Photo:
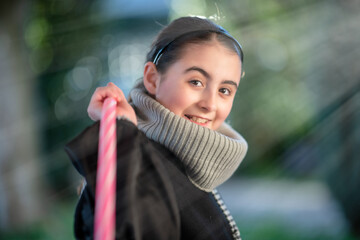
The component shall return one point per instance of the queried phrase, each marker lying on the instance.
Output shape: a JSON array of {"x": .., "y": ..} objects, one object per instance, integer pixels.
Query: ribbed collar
[{"x": 209, "y": 157}]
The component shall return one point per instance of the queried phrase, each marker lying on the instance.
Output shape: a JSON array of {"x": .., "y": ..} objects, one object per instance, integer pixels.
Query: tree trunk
[{"x": 21, "y": 194}]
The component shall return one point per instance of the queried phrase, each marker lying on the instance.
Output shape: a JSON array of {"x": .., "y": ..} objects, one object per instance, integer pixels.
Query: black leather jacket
[{"x": 154, "y": 198}]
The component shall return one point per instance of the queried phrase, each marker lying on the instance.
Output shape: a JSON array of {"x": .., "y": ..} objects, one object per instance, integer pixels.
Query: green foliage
[{"x": 58, "y": 225}]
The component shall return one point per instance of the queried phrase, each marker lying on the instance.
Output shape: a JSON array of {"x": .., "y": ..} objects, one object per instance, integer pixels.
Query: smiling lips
[{"x": 198, "y": 120}]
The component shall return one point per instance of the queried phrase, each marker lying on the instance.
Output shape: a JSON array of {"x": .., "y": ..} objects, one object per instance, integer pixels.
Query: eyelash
[
  {"x": 194, "y": 82},
  {"x": 221, "y": 90},
  {"x": 226, "y": 89}
]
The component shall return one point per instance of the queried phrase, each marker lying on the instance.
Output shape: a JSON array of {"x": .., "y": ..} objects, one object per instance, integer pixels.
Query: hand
[{"x": 123, "y": 108}]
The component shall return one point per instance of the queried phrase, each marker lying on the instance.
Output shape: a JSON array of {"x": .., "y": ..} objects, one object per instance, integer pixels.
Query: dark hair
[{"x": 168, "y": 45}]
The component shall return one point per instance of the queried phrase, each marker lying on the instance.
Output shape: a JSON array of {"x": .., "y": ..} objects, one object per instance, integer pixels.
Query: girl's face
[{"x": 201, "y": 85}]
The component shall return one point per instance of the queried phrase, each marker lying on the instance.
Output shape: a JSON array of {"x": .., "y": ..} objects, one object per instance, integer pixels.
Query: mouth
[{"x": 197, "y": 120}]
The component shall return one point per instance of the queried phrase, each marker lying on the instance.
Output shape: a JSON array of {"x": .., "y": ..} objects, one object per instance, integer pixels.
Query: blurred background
[{"x": 298, "y": 106}]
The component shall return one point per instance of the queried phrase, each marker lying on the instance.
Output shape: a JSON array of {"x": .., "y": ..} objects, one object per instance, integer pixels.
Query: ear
[{"x": 151, "y": 78}]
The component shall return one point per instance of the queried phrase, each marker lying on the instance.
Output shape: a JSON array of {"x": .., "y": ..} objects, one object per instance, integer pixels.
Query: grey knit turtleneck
[{"x": 210, "y": 157}]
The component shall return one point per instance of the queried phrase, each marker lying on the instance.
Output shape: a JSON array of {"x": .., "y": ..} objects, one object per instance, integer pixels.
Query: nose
[{"x": 208, "y": 101}]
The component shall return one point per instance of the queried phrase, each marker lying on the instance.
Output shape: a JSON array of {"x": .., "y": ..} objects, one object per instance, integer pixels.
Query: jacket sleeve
[{"x": 146, "y": 206}]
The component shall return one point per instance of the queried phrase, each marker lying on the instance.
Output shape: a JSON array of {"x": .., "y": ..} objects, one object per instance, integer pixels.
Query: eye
[
  {"x": 225, "y": 91},
  {"x": 196, "y": 83}
]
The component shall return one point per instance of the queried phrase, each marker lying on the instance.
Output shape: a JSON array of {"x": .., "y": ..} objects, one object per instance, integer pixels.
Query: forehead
[
  {"x": 231, "y": 49},
  {"x": 213, "y": 57}
]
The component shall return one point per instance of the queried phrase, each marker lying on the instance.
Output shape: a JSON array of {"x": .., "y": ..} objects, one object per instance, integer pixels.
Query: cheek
[
  {"x": 173, "y": 102},
  {"x": 225, "y": 111},
  {"x": 222, "y": 114},
  {"x": 171, "y": 98}
]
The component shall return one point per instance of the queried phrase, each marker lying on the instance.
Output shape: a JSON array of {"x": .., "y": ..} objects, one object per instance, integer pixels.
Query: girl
[{"x": 174, "y": 147}]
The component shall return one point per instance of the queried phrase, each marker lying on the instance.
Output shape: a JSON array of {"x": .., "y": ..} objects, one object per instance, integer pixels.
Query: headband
[{"x": 221, "y": 31}]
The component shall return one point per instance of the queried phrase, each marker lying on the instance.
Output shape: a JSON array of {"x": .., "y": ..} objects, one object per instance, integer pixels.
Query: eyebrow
[
  {"x": 207, "y": 75},
  {"x": 202, "y": 71}
]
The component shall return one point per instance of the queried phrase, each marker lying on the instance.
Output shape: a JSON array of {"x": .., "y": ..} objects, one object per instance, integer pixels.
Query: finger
[
  {"x": 116, "y": 92},
  {"x": 110, "y": 90},
  {"x": 99, "y": 96}
]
